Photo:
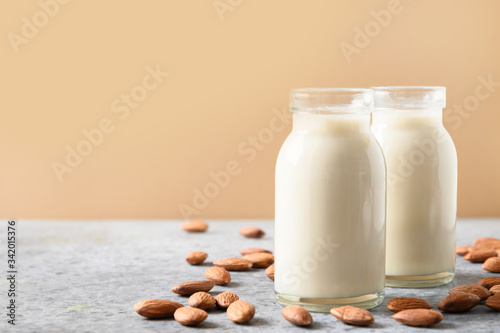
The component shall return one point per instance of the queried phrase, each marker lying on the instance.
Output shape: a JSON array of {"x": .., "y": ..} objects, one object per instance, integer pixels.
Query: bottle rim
[
  {"x": 331, "y": 100},
  {"x": 409, "y": 97}
]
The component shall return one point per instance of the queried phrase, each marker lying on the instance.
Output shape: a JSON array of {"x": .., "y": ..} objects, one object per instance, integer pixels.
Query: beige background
[{"x": 228, "y": 71}]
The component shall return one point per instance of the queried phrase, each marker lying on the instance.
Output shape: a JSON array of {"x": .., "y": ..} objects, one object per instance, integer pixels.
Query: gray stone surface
[{"x": 87, "y": 276}]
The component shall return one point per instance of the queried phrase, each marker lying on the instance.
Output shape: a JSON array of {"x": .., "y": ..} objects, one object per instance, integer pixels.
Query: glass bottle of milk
[
  {"x": 330, "y": 203},
  {"x": 421, "y": 185}
]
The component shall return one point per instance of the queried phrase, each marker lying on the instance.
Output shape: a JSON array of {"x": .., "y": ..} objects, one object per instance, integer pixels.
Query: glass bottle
[
  {"x": 330, "y": 203},
  {"x": 421, "y": 185}
]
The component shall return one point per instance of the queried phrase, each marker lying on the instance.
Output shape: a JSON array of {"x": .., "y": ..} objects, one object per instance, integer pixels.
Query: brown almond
[
  {"x": 260, "y": 260},
  {"x": 194, "y": 226},
  {"x": 234, "y": 264},
  {"x": 196, "y": 258},
  {"x": 190, "y": 316},
  {"x": 489, "y": 281},
  {"x": 252, "y": 232},
  {"x": 251, "y": 250},
  {"x": 225, "y": 299},
  {"x": 495, "y": 290},
  {"x": 220, "y": 276},
  {"x": 492, "y": 265},
  {"x": 270, "y": 272},
  {"x": 474, "y": 289},
  {"x": 458, "y": 302},
  {"x": 479, "y": 255},
  {"x": 201, "y": 300},
  {"x": 463, "y": 250},
  {"x": 352, "y": 315},
  {"x": 191, "y": 287},
  {"x": 487, "y": 243},
  {"x": 493, "y": 302},
  {"x": 157, "y": 308},
  {"x": 405, "y": 303},
  {"x": 297, "y": 315},
  {"x": 240, "y": 312},
  {"x": 419, "y": 317}
]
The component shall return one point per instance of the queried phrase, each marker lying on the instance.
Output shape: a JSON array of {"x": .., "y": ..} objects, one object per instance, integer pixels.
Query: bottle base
[
  {"x": 419, "y": 281},
  {"x": 325, "y": 304}
]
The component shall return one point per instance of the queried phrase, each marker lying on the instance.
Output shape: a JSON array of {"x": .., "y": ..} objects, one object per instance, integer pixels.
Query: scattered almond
[
  {"x": 489, "y": 281},
  {"x": 493, "y": 302},
  {"x": 492, "y": 265},
  {"x": 474, "y": 289},
  {"x": 251, "y": 250},
  {"x": 191, "y": 287},
  {"x": 157, "y": 308},
  {"x": 194, "y": 226},
  {"x": 220, "y": 276},
  {"x": 352, "y": 315},
  {"x": 225, "y": 299},
  {"x": 190, "y": 316},
  {"x": 270, "y": 272},
  {"x": 495, "y": 290},
  {"x": 240, "y": 312},
  {"x": 260, "y": 260},
  {"x": 419, "y": 317},
  {"x": 463, "y": 250},
  {"x": 297, "y": 315},
  {"x": 487, "y": 243},
  {"x": 201, "y": 300},
  {"x": 479, "y": 255},
  {"x": 405, "y": 303},
  {"x": 196, "y": 258},
  {"x": 458, "y": 302},
  {"x": 234, "y": 264},
  {"x": 252, "y": 232}
]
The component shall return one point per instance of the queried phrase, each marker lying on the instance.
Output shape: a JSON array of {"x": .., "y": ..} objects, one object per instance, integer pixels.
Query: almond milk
[
  {"x": 330, "y": 209},
  {"x": 421, "y": 189}
]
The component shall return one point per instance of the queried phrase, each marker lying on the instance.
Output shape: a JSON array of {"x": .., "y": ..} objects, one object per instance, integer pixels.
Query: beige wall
[{"x": 229, "y": 73}]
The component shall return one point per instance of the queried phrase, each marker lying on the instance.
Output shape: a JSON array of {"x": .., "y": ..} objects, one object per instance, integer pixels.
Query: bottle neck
[
  {"x": 336, "y": 124},
  {"x": 408, "y": 118}
]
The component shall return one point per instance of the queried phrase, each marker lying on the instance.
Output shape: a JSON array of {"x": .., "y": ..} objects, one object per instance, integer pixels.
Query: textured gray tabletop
[{"x": 87, "y": 276}]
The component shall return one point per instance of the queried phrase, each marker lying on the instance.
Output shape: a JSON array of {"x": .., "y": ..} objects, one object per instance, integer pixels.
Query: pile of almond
[
  {"x": 200, "y": 300},
  {"x": 408, "y": 310}
]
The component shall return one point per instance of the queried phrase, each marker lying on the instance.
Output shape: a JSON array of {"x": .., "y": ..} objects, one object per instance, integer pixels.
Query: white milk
[
  {"x": 330, "y": 213},
  {"x": 421, "y": 196}
]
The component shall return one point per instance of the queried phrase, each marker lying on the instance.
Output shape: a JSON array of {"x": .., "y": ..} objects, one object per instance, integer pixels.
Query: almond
[
  {"x": 196, "y": 258},
  {"x": 225, "y": 299},
  {"x": 252, "y": 232},
  {"x": 240, "y": 312},
  {"x": 492, "y": 265},
  {"x": 270, "y": 272},
  {"x": 352, "y": 315},
  {"x": 201, "y": 300},
  {"x": 495, "y": 290},
  {"x": 463, "y": 250},
  {"x": 474, "y": 289},
  {"x": 419, "y": 317},
  {"x": 487, "y": 243},
  {"x": 297, "y": 315},
  {"x": 260, "y": 260},
  {"x": 157, "y": 308},
  {"x": 220, "y": 276},
  {"x": 479, "y": 255},
  {"x": 190, "y": 316},
  {"x": 194, "y": 226},
  {"x": 458, "y": 302},
  {"x": 493, "y": 302},
  {"x": 489, "y": 282},
  {"x": 405, "y": 303},
  {"x": 191, "y": 287},
  {"x": 234, "y": 264},
  {"x": 251, "y": 250}
]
